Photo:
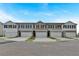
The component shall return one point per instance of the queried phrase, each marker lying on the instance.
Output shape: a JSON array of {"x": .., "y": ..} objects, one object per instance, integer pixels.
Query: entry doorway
[
  {"x": 34, "y": 34},
  {"x": 63, "y": 34},
  {"x": 19, "y": 33},
  {"x": 48, "y": 33}
]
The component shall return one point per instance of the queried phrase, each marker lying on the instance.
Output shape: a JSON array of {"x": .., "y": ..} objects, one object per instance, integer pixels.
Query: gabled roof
[
  {"x": 9, "y": 22},
  {"x": 39, "y": 22},
  {"x": 70, "y": 22}
]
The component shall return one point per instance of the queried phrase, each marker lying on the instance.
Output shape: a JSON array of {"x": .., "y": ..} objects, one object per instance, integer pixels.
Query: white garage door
[
  {"x": 70, "y": 34},
  {"x": 10, "y": 34},
  {"x": 26, "y": 34},
  {"x": 41, "y": 34},
  {"x": 55, "y": 34}
]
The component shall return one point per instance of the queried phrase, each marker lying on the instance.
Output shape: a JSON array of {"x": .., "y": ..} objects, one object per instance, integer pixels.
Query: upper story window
[
  {"x": 58, "y": 26},
  {"x": 42, "y": 26},
  {"x": 37, "y": 26},
  {"x": 49, "y": 26},
  {"x": 5, "y": 26},
  {"x": 19, "y": 26},
  {"x": 14, "y": 26},
  {"x": 74, "y": 26},
  {"x": 26, "y": 25},
  {"x": 45, "y": 26},
  {"x": 52, "y": 26},
  {"x": 69, "y": 26},
  {"x": 22, "y": 26},
  {"x": 65, "y": 26},
  {"x": 30, "y": 26},
  {"x": 33, "y": 26},
  {"x": 9, "y": 26}
]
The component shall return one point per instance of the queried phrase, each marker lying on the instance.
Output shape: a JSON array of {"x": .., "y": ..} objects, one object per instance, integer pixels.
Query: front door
[
  {"x": 63, "y": 34},
  {"x": 34, "y": 34},
  {"x": 48, "y": 33},
  {"x": 19, "y": 33}
]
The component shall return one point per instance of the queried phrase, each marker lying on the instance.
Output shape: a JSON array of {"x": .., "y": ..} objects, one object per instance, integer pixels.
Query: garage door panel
[
  {"x": 26, "y": 34},
  {"x": 56, "y": 34},
  {"x": 10, "y": 34},
  {"x": 70, "y": 34},
  {"x": 41, "y": 34}
]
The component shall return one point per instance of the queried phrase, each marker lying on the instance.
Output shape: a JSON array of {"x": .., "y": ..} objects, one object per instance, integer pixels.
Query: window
[
  {"x": 52, "y": 26},
  {"x": 33, "y": 26},
  {"x": 5, "y": 26},
  {"x": 10, "y": 26},
  {"x": 22, "y": 26},
  {"x": 58, "y": 26},
  {"x": 45, "y": 26},
  {"x": 26, "y": 26},
  {"x": 70, "y": 26},
  {"x": 49, "y": 26},
  {"x": 19, "y": 26},
  {"x": 14, "y": 26},
  {"x": 74, "y": 26},
  {"x": 42, "y": 26},
  {"x": 37, "y": 26},
  {"x": 30, "y": 26},
  {"x": 65, "y": 26}
]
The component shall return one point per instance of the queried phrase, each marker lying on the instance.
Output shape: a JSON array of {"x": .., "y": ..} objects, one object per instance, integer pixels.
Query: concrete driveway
[
  {"x": 69, "y": 48},
  {"x": 44, "y": 39}
]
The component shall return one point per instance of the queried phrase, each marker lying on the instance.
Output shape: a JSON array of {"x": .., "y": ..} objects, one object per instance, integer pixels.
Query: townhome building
[{"x": 38, "y": 29}]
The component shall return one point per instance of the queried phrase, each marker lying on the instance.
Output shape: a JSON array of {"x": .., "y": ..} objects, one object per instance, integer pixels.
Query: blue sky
[
  {"x": 33, "y": 12},
  {"x": 41, "y": 11}
]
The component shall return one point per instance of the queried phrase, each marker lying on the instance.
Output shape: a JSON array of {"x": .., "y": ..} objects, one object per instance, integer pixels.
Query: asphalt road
[{"x": 68, "y": 48}]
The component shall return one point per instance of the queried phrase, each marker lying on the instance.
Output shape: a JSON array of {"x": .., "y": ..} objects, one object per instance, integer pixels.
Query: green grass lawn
[
  {"x": 2, "y": 38},
  {"x": 30, "y": 39}
]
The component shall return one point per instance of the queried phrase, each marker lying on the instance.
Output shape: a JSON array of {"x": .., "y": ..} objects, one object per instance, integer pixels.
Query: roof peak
[{"x": 39, "y": 22}]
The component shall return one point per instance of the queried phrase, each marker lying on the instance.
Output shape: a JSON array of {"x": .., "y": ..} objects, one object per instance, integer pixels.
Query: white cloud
[{"x": 4, "y": 17}]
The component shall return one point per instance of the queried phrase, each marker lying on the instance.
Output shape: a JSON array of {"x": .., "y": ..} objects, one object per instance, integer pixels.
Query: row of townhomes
[{"x": 38, "y": 29}]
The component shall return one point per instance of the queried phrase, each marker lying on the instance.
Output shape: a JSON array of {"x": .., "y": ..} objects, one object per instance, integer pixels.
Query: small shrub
[
  {"x": 1, "y": 36},
  {"x": 30, "y": 39}
]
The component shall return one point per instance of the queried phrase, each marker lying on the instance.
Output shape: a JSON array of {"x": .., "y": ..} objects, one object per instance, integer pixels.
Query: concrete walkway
[
  {"x": 76, "y": 38},
  {"x": 62, "y": 39},
  {"x": 17, "y": 39},
  {"x": 44, "y": 40},
  {"x": 4, "y": 41}
]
